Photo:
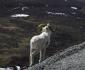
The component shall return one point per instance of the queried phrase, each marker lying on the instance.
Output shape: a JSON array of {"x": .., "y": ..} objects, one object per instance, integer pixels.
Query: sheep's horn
[{"x": 41, "y": 25}]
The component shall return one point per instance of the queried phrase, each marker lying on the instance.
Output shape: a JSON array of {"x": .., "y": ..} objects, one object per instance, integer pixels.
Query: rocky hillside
[
  {"x": 15, "y": 34},
  {"x": 72, "y": 58}
]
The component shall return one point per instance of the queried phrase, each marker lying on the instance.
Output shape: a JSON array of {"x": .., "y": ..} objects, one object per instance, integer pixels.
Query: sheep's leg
[
  {"x": 31, "y": 58},
  {"x": 40, "y": 59},
  {"x": 42, "y": 55},
  {"x": 33, "y": 52}
]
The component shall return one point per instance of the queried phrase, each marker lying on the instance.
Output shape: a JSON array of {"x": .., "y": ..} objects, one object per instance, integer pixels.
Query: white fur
[{"x": 39, "y": 43}]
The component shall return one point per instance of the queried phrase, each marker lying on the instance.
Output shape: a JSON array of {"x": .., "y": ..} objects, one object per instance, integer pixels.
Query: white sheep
[{"x": 39, "y": 43}]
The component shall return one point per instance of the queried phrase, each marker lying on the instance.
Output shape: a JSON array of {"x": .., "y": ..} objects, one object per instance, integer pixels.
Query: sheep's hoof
[{"x": 39, "y": 61}]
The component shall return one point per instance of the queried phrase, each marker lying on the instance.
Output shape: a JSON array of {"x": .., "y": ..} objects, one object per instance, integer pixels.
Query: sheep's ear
[{"x": 39, "y": 28}]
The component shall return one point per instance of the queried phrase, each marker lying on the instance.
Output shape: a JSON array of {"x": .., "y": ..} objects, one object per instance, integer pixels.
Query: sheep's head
[{"x": 46, "y": 27}]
